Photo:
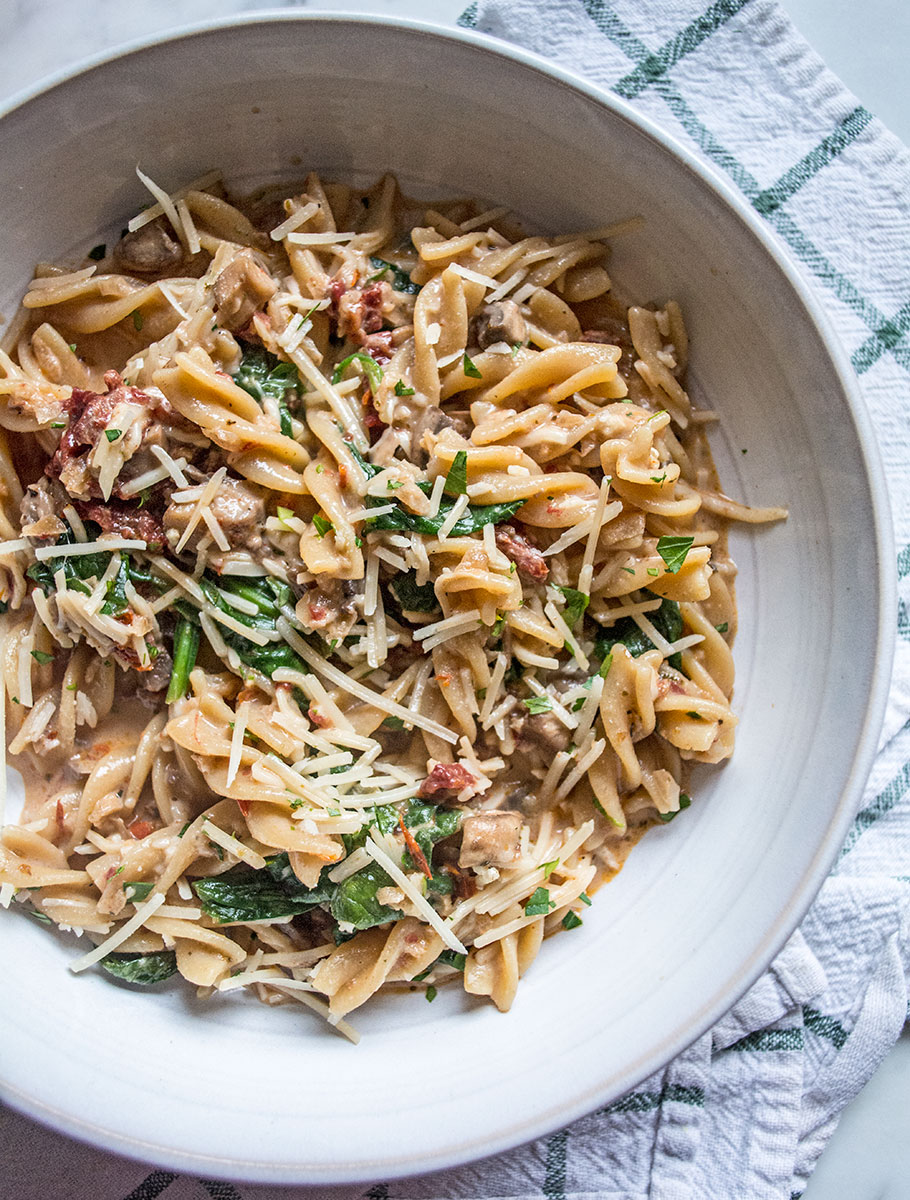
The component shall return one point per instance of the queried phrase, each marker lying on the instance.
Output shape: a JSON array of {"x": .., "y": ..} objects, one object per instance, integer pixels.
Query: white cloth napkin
[{"x": 746, "y": 1110}]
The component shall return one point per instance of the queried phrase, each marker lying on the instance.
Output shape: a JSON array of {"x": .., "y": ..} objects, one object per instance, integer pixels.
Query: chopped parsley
[
  {"x": 684, "y": 802},
  {"x": 137, "y": 320},
  {"x": 457, "y": 478},
  {"x": 539, "y": 904},
  {"x": 431, "y": 994},
  {"x": 400, "y": 390},
  {"x": 137, "y": 891},
  {"x": 40, "y": 656},
  {"x": 576, "y": 604},
  {"x": 112, "y": 434},
  {"x": 470, "y": 368},
  {"x": 538, "y": 704},
  {"x": 673, "y": 551},
  {"x": 722, "y": 628},
  {"x": 322, "y": 524},
  {"x": 571, "y": 920}
]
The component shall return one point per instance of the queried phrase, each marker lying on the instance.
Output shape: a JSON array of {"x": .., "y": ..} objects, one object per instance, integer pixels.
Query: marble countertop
[{"x": 868, "y": 45}]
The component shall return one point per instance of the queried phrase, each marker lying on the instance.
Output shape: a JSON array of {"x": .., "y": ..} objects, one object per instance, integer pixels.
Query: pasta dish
[{"x": 368, "y": 591}]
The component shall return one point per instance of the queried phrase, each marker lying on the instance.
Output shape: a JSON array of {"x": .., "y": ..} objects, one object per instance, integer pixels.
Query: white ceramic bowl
[{"x": 229, "y": 1088}]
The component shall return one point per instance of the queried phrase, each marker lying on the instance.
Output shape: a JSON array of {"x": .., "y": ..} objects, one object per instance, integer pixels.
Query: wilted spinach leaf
[
  {"x": 144, "y": 969},
  {"x": 412, "y": 596},
  {"x": 667, "y": 620}
]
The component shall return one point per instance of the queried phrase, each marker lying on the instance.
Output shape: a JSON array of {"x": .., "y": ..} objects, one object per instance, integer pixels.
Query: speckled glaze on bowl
[{"x": 229, "y": 1088}]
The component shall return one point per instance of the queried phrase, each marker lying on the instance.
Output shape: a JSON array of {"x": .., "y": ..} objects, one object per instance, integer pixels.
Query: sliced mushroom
[
  {"x": 242, "y": 288},
  {"x": 490, "y": 839},
  {"x": 499, "y": 322},
  {"x": 148, "y": 251}
]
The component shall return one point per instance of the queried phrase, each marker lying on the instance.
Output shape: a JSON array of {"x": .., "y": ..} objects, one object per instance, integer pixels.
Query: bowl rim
[{"x": 738, "y": 981}]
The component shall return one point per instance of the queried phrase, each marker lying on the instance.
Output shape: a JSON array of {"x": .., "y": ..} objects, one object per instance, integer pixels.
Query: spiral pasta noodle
[{"x": 367, "y": 592}]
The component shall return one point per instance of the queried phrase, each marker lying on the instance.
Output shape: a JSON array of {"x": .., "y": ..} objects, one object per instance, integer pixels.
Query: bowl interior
[{"x": 704, "y": 902}]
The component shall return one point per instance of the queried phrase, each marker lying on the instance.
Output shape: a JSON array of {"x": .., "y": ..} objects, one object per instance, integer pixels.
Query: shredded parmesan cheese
[
  {"x": 120, "y": 934},
  {"x": 426, "y": 910}
]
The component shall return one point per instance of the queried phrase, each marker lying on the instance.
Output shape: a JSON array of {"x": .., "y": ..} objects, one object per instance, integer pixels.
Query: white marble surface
[{"x": 868, "y": 45}]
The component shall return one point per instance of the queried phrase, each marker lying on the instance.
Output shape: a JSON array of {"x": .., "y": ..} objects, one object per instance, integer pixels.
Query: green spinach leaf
[
  {"x": 473, "y": 519},
  {"x": 414, "y": 597},
  {"x": 144, "y": 969},
  {"x": 401, "y": 280},
  {"x": 262, "y": 375},
  {"x": 667, "y": 620},
  {"x": 355, "y": 901}
]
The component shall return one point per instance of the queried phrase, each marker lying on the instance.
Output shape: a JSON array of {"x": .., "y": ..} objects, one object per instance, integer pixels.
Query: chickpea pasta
[{"x": 367, "y": 591}]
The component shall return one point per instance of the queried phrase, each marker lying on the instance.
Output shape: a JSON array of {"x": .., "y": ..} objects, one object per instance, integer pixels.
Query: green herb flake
[
  {"x": 538, "y": 704},
  {"x": 571, "y": 920},
  {"x": 431, "y": 994},
  {"x": 457, "y": 478},
  {"x": 400, "y": 389},
  {"x": 137, "y": 891},
  {"x": 137, "y": 321},
  {"x": 605, "y": 666},
  {"x": 112, "y": 434},
  {"x": 684, "y": 802},
  {"x": 539, "y": 904},
  {"x": 653, "y": 571},
  {"x": 392, "y": 723},
  {"x": 41, "y": 917},
  {"x": 284, "y": 514},
  {"x": 576, "y": 605},
  {"x": 322, "y": 524},
  {"x": 629, "y": 570},
  {"x": 549, "y": 867},
  {"x": 40, "y": 656},
  {"x": 370, "y": 367},
  {"x": 722, "y": 628},
  {"x": 470, "y": 369},
  {"x": 585, "y": 898},
  {"x": 184, "y": 829},
  {"x": 695, "y": 716},
  {"x": 72, "y": 346},
  {"x": 58, "y": 424},
  {"x": 673, "y": 551}
]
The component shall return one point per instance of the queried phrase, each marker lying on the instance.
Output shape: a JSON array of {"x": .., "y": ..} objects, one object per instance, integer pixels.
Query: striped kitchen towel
[{"x": 744, "y": 1113}]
